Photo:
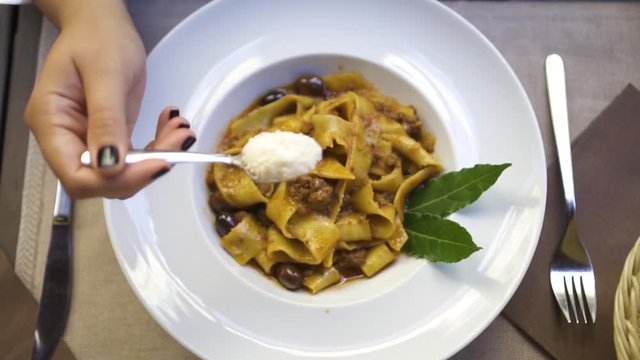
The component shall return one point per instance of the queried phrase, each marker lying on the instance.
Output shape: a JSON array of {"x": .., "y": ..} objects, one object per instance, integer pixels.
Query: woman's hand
[{"x": 88, "y": 96}]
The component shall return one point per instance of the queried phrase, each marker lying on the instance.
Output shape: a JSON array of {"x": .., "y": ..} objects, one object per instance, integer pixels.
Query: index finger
[{"x": 62, "y": 149}]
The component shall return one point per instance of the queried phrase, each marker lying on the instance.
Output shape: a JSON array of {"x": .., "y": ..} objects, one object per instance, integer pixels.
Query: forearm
[{"x": 62, "y": 12}]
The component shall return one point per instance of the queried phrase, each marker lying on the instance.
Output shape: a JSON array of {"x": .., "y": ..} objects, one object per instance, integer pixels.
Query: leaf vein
[
  {"x": 425, "y": 204},
  {"x": 420, "y": 235}
]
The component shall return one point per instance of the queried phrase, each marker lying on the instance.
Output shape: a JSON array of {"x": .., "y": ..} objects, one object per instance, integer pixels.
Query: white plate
[{"x": 229, "y": 52}]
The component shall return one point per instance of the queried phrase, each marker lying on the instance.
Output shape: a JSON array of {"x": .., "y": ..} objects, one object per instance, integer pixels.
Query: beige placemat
[
  {"x": 106, "y": 321},
  {"x": 18, "y": 311}
]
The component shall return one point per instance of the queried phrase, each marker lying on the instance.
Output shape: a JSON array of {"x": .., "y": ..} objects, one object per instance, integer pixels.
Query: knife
[{"x": 55, "y": 300}]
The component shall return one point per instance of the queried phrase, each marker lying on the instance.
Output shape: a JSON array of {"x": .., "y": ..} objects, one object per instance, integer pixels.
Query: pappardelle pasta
[{"x": 343, "y": 220}]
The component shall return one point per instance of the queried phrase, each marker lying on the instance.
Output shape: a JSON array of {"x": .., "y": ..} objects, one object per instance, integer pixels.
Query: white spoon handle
[{"x": 173, "y": 157}]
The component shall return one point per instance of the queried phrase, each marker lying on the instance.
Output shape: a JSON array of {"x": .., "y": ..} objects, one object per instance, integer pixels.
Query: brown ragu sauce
[{"x": 313, "y": 193}]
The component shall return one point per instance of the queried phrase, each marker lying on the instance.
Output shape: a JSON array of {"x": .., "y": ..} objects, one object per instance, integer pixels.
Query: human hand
[{"x": 88, "y": 96}]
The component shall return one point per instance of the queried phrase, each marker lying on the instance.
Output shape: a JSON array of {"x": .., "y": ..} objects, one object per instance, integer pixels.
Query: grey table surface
[
  {"x": 7, "y": 16},
  {"x": 600, "y": 43},
  {"x": 20, "y": 34}
]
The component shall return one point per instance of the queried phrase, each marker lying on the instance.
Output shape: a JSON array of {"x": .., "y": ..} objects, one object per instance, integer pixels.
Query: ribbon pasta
[{"x": 343, "y": 220}]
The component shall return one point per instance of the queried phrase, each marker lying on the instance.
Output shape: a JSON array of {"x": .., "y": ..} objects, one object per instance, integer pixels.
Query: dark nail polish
[
  {"x": 184, "y": 126},
  {"x": 160, "y": 173},
  {"x": 188, "y": 143},
  {"x": 108, "y": 156},
  {"x": 173, "y": 113}
]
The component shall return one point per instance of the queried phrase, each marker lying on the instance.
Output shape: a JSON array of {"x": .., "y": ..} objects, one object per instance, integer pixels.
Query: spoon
[
  {"x": 181, "y": 157},
  {"x": 266, "y": 157}
]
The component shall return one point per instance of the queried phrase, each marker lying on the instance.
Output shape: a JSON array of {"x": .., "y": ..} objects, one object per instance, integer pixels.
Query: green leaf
[
  {"x": 453, "y": 191},
  {"x": 437, "y": 239}
]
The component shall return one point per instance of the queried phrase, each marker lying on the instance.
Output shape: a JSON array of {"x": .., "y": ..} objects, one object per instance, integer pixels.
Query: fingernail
[
  {"x": 160, "y": 173},
  {"x": 108, "y": 156},
  {"x": 184, "y": 126},
  {"x": 188, "y": 143},
  {"x": 173, "y": 113}
]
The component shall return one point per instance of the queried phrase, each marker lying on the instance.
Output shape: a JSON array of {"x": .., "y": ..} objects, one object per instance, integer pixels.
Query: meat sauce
[{"x": 313, "y": 193}]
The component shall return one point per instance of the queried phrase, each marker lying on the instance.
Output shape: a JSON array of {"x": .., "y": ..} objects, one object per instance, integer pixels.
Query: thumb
[{"x": 107, "y": 135}]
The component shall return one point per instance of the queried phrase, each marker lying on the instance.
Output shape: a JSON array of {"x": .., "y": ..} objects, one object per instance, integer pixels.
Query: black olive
[
  {"x": 310, "y": 86},
  {"x": 224, "y": 223},
  {"x": 260, "y": 214},
  {"x": 272, "y": 96},
  {"x": 289, "y": 275}
]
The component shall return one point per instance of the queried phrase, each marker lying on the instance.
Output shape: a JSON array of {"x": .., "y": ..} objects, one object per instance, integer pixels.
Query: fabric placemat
[
  {"x": 18, "y": 311},
  {"x": 106, "y": 320},
  {"x": 607, "y": 174}
]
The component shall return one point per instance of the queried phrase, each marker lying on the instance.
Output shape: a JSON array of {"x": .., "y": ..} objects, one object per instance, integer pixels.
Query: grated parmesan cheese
[{"x": 280, "y": 156}]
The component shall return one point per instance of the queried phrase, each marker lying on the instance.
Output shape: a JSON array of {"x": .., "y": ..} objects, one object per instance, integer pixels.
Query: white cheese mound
[{"x": 280, "y": 156}]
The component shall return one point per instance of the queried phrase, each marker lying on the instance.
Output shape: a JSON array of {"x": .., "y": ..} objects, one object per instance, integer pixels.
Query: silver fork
[{"x": 571, "y": 274}]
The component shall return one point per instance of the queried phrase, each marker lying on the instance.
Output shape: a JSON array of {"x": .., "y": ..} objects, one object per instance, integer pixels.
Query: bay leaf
[
  {"x": 454, "y": 190},
  {"x": 437, "y": 239}
]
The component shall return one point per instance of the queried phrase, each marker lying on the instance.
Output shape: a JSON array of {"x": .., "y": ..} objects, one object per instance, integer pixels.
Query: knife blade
[{"x": 55, "y": 300}]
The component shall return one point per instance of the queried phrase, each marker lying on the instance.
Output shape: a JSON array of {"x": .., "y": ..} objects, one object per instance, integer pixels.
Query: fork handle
[{"x": 557, "y": 91}]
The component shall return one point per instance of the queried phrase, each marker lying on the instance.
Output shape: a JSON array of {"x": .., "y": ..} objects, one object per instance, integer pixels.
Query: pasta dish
[{"x": 343, "y": 220}]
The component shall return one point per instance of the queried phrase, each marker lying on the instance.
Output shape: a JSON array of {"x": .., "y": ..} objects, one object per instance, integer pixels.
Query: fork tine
[
  {"x": 589, "y": 284},
  {"x": 571, "y": 290},
  {"x": 576, "y": 281},
  {"x": 560, "y": 291}
]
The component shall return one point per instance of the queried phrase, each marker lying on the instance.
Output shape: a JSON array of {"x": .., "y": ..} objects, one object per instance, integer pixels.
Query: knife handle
[{"x": 55, "y": 301}]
